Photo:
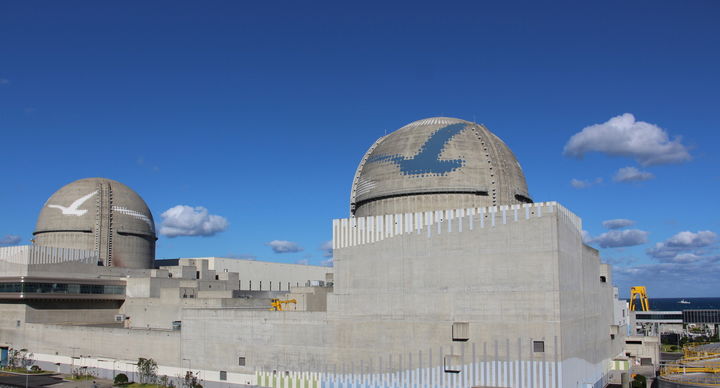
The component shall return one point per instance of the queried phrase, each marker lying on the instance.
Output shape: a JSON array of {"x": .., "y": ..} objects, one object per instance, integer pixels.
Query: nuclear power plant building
[{"x": 446, "y": 274}]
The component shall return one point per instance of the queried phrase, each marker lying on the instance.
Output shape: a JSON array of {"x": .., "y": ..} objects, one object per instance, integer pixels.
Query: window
[
  {"x": 241, "y": 361},
  {"x": 451, "y": 364},
  {"x": 223, "y": 375},
  {"x": 460, "y": 331},
  {"x": 612, "y": 336},
  {"x": 603, "y": 279},
  {"x": 538, "y": 346}
]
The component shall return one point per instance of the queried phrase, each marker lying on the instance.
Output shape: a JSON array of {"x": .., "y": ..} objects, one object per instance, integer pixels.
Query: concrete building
[{"x": 445, "y": 275}]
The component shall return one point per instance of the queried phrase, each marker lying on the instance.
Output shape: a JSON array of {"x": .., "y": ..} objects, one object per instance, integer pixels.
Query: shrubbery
[
  {"x": 120, "y": 379},
  {"x": 639, "y": 382}
]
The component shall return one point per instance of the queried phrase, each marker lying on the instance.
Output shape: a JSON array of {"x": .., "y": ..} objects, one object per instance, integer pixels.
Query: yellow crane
[
  {"x": 277, "y": 304},
  {"x": 641, "y": 293}
]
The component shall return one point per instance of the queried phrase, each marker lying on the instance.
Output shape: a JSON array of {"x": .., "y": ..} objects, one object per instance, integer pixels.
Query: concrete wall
[
  {"x": 259, "y": 275},
  {"x": 72, "y": 312},
  {"x": 402, "y": 294},
  {"x": 586, "y": 308},
  {"x": 116, "y": 343},
  {"x": 274, "y": 340}
]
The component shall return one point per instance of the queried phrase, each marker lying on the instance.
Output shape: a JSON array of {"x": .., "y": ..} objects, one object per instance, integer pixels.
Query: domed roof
[
  {"x": 437, "y": 163},
  {"x": 102, "y": 215}
]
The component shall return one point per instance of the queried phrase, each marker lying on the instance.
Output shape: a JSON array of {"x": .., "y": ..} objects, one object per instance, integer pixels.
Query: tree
[
  {"x": 120, "y": 379},
  {"x": 190, "y": 381},
  {"x": 20, "y": 358},
  {"x": 639, "y": 381},
  {"x": 165, "y": 382},
  {"x": 147, "y": 370}
]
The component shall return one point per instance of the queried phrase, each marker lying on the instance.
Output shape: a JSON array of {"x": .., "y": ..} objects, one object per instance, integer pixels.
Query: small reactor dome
[
  {"x": 100, "y": 215},
  {"x": 435, "y": 164}
]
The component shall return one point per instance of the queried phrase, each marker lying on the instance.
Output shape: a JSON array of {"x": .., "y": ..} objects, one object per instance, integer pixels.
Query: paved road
[
  {"x": 54, "y": 381},
  {"x": 664, "y": 356}
]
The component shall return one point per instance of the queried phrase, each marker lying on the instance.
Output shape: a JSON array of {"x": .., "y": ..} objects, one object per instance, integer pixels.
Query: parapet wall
[
  {"x": 34, "y": 254},
  {"x": 348, "y": 232}
]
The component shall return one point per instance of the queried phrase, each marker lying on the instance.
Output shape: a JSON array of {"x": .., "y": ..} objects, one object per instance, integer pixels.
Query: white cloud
[
  {"x": 327, "y": 249},
  {"x": 687, "y": 277},
  {"x": 328, "y": 263},
  {"x": 632, "y": 174},
  {"x": 686, "y": 265},
  {"x": 4, "y": 81},
  {"x": 647, "y": 143},
  {"x": 583, "y": 184},
  {"x": 183, "y": 220},
  {"x": 282, "y": 246},
  {"x": 10, "y": 239},
  {"x": 687, "y": 258},
  {"x": 617, "y": 223},
  {"x": 303, "y": 262},
  {"x": 620, "y": 238},
  {"x": 683, "y": 242}
]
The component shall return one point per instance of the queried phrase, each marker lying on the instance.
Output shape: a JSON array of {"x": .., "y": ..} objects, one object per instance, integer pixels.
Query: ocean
[{"x": 671, "y": 304}]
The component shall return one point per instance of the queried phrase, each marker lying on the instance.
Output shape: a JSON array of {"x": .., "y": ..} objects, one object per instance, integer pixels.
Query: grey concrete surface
[
  {"x": 436, "y": 163},
  {"x": 102, "y": 215}
]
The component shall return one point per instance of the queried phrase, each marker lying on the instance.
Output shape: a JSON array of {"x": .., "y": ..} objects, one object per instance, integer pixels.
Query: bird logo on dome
[
  {"x": 427, "y": 160},
  {"x": 73, "y": 210}
]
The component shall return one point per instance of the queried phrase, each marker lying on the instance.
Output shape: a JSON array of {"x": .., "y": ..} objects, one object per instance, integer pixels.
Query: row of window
[
  {"x": 62, "y": 288},
  {"x": 260, "y": 286},
  {"x": 461, "y": 333},
  {"x": 701, "y": 316}
]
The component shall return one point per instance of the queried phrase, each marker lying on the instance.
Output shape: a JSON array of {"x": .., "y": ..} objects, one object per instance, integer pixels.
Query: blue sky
[{"x": 259, "y": 113}]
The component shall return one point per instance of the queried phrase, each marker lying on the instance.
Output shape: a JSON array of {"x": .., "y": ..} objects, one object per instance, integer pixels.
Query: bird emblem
[
  {"x": 73, "y": 210},
  {"x": 427, "y": 160}
]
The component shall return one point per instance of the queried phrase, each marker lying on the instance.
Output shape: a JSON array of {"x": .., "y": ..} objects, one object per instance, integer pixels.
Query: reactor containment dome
[
  {"x": 437, "y": 163},
  {"x": 100, "y": 215}
]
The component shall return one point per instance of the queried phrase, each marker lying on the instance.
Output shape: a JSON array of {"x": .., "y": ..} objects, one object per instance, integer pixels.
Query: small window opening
[
  {"x": 539, "y": 346},
  {"x": 241, "y": 361},
  {"x": 603, "y": 279},
  {"x": 460, "y": 331},
  {"x": 223, "y": 375},
  {"x": 451, "y": 364}
]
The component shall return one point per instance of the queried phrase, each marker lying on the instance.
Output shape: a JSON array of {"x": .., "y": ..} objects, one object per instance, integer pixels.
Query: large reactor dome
[
  {"x": 100, "y": 215},
  {"x": 435, "y": 164}
]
